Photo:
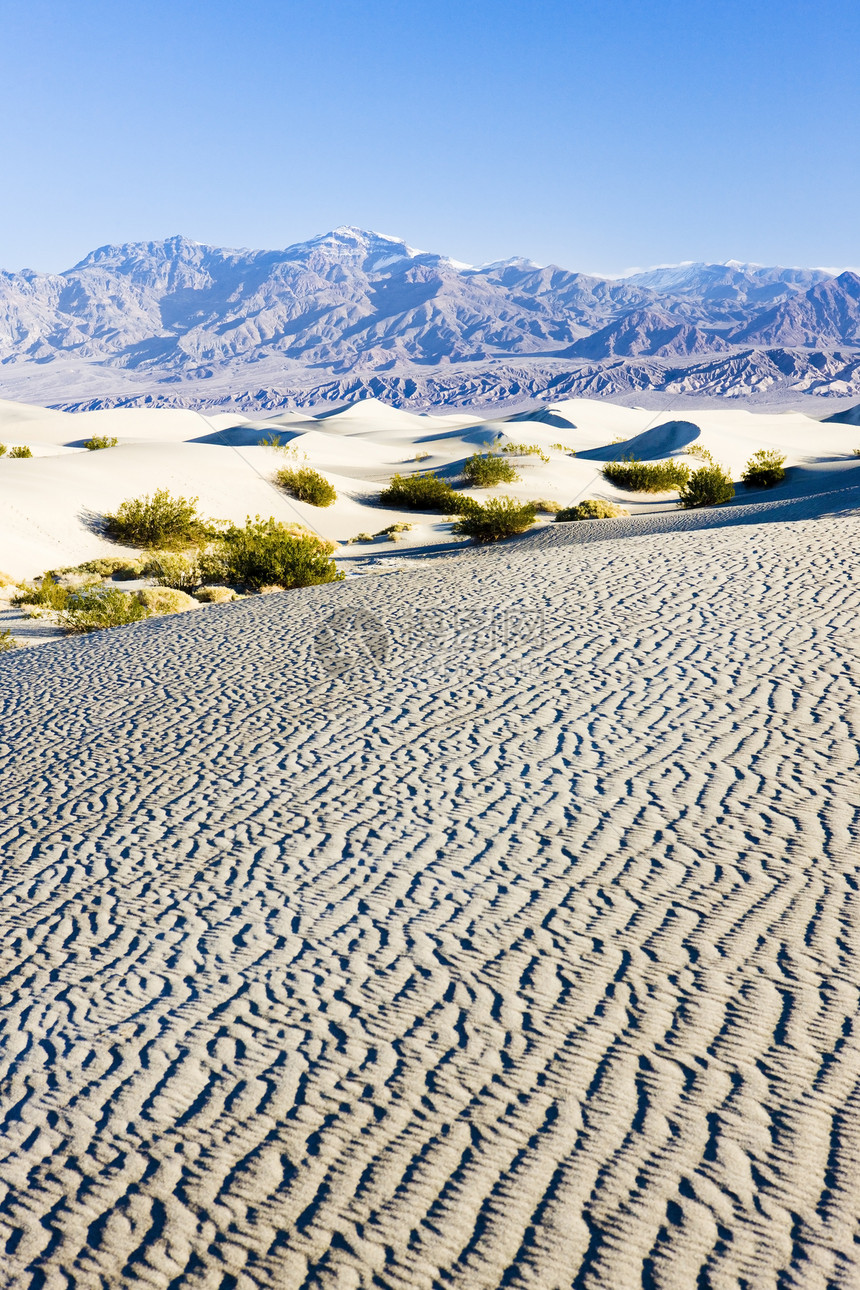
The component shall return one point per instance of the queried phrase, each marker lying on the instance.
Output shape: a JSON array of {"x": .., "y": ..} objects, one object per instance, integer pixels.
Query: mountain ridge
[{"x": 130, "y": 320}]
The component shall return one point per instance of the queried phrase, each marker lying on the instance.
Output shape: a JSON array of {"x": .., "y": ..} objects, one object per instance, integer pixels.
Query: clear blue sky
[{"x": 597, "y": 134}]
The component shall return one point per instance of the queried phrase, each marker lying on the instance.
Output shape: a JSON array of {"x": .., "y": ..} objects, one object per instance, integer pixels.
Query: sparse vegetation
[
  {"x": 562, "y": 447},
  {"x": 856, "y": 452},
  {"x": 546, "y": 507},
  {"x": 267, "y": 553},
  {"x": 99, "y": 441},
  {"x": 421, "y": 492},
  {"x": 526, "y": 450},
  {"x": 307, "y": 485},
  {"x": 7, "y": 641},
  {"x": 393, "y": 531},
  {"x": 160, "y": 521},
  {"x": 22, "y": 451},
  {"x": 49, "y": 594},
  {"x": 764, "y": 469},
  {"x": 646, "y": 476},
  {"x": 707, "y": 487},
  {"x": 118, "y": 567},
  {"x": 593, "y": 508},
  {"x": 483, "y": 470},
  {"x": 93, "y": 609},
  {"x": 700, "y": 451},
  {"x": 500, "y": 517},
  {"x": 3, "y": 449}
]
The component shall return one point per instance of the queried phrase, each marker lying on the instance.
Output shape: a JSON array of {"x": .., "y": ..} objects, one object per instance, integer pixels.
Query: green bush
[
  {"x": 23, "y": 451},
  {"x": 483, "y": 470},
  {"x": 646, "y": 476},
  {"x": 7, "y": 640},
  {"x": 47, "y": 595},
  {"x": 177, "y": 570},
  {"x": 593, "y": 508},
  {"x": 94, "y": 608},
  {"x": 422, "y": 492},
  {"x": 265, "y": 553},
  {"x": 707, "y": 487},
  {"x": 764, "y": 469},
  {"x": 157, "y": 521},
  {"x": 500, "y": 517},
  {"x": 100, "y": 441},
  {"x": 307, "y": 485}
]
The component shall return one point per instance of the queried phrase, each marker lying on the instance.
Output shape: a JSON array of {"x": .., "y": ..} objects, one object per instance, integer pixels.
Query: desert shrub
[
  {"x": 22, "y": 451},
  {"x": 7, "y": 641},
  {"x": 546, "y": 507},
  {"x": 307, "y": 485},
  {"x": 47, "y": 595},
  {"x": 593, "y": 508},
  {"x": 483, "y": 470},
  {"x": 699, "y": 450},
  {"x": 179, "y": 570},
  {"x": 764, "y": 469},
  {"x": 3, "y": 450},
  {"x": 393, "y": 531},
  {"x": 361, "y": 537},
  {"x": 266, "y": 553},
  {"x": 707, "y": 487},
  {"x": 165, "y": 600},
  {"x": 525, "y": 450},
  {"x": 562, "y": 447},
  {"x": 100, "y": 441},
  {"x": 500, "y": 517},
  {"x": 422, "y": 492},
  {"x": 92, "y": 609},
  {"x": 157, "y": 521},
  {"x": 646, "y": 476},
  {"x": 855, "y": 452}
]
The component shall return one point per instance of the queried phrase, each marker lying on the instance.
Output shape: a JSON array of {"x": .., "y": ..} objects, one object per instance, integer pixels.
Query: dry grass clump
[
  {"x": 307, "y": 485},
  {"x": 764, "y": 469},
  {"x": 7, "y": 641},
  {"x": 120, "y": 568},
  {"x": 215, "y": 595},
  {"x": 165, "y": 600},
  {"x": 593, "y": 508},
  {"x": 93, "y": 609},
  {"x": 546, "y": 507},
  {"x": 707, "y": 487},
  {"x": 99, "y": 441},
  {"x": 158, "y": 522},
  {"x": 421, "y": 492},
  {"x": 483, "y": 470},
  {"x": 647, "y": 476},
  {"x": 700, "y": 451},
  {"x": 526, "y": 450},
  {"x": 179, "y": 570},
  {"x": 500, "y": 517},
  {"x": 20, "y": 452}
]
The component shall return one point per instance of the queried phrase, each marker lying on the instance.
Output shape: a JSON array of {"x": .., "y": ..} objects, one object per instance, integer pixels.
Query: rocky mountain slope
[{"x": 351, "y": 313}]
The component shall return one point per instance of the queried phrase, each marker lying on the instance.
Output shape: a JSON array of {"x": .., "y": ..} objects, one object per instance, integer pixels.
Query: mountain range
[{"x": 354, "y": 313}]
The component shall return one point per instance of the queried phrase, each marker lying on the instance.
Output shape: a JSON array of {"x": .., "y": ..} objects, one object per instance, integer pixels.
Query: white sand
[{"x": 528, "y": 954}]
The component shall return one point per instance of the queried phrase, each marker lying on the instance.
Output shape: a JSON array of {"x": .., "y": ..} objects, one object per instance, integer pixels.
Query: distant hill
[{"x": 353, "y": 313}]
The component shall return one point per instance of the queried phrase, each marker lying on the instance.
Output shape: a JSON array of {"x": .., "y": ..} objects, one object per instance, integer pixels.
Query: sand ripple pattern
[{"x": 528, "y": 956}]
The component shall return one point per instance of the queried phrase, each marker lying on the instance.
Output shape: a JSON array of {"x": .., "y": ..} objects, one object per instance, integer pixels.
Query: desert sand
[{"x": 488, "y": 922}]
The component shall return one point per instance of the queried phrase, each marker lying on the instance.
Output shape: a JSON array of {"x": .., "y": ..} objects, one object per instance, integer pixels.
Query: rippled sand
[{"x": 492, "y": 923}]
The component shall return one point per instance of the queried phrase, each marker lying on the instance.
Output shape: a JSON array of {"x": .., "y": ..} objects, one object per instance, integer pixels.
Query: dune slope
[{"x": 376, "y": 935}]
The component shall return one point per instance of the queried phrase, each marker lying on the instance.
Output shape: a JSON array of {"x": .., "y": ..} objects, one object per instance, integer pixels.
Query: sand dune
[{"x": 491, "y": 923}]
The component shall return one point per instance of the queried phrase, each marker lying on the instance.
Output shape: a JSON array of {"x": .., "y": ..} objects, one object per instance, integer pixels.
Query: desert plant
[
  {"x": 700, "y": 451},
  {"x": 47, "y": 595},
  {"x": 393, "y": 531},
  {"x": 99, "y": 441},
  {"x": 500, "y": 517},
  {"x": 3, "y": 450},
  {"x": 215, "y": 595},
  {"x": 562, "y": 447},
  {"x": 307, "y": 485},
  {"x": 158, "y": 521},
  {"x": 421, "y": 492},
  {"x": 646, "y": 476},
  {"x": 764, "y": 469},
  {"x": 114, "y": 566},
  {"x": 266, "y": 553},
  {"x": 855, "y": 452},
  {"x": 593, "y": 508},
  {"x": 546, "y": 507},
  {"x": 94, "y": 608},
  {"x": 22, "y": 451},
  {"x": 708, "y": 486},
  {"x": 177, "y": 570},
  {"x": 526, "y": 450},
  {"x": 483, "y": 470},
  {"x": 7, "y": 640}
]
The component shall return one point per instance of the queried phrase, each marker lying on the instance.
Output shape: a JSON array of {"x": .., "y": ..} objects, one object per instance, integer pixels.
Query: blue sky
[{"x": 597, "y": 134}]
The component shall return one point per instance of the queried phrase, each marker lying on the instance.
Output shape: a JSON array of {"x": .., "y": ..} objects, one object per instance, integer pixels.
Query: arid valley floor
[{"x": 490, "y": 921}]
